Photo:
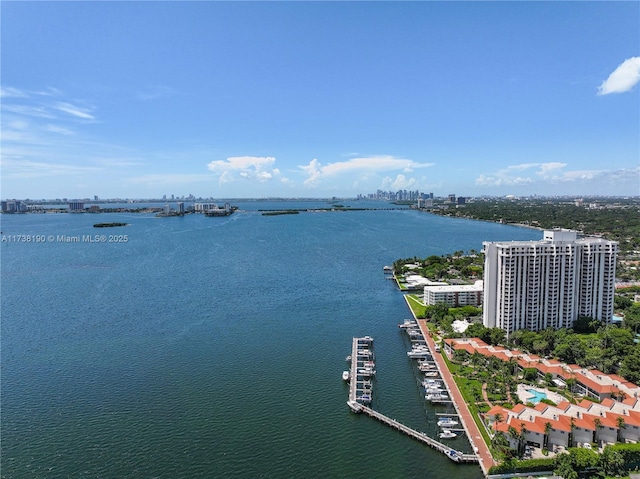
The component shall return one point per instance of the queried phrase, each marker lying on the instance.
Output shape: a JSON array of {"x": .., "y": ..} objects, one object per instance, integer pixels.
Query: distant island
[
  {"x": 109, "y": 225},
  {"x": 283, "y": 212}
]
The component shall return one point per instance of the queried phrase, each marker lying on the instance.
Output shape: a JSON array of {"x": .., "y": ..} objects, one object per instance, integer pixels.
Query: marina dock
[
  {"x": 481, "y": 449},
  {"x": 451, "y": 453},
  {"x": 360, "y": 393}
]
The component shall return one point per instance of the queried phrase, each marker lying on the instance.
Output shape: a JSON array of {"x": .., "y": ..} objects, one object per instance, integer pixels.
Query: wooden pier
[{"x": 420, "y": 436}]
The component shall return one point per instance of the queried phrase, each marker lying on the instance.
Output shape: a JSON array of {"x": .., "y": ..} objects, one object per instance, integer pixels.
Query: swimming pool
[{"x": 537, "y": 396}]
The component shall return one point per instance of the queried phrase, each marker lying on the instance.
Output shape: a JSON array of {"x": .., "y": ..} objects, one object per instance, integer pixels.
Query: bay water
[{"x": 213, "y": 347}]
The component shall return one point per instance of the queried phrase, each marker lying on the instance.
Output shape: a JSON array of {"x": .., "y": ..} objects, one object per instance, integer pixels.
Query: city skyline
[{"x": 306, "y": 99}]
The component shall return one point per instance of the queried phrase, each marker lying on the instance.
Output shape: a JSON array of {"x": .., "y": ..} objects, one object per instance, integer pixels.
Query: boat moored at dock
[
  {"x": 447, "y": 422},
  {"x": 447, "y": 434}
]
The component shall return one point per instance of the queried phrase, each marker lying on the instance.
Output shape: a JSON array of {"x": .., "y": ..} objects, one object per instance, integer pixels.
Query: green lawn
[{"x": 416, "y": 305}]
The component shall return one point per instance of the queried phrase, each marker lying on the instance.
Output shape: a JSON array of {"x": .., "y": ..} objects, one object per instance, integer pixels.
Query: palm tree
[
  {"x": 598, "y": 425},
  {"x": 572, "y": 423},
  {"x": 621, "y": 425},
  {"x": 498, "y": 418},
  {"x": 523, "y": 438},
  {"x": 513, "y": 433},
  {"x": 547, "y": 430}
]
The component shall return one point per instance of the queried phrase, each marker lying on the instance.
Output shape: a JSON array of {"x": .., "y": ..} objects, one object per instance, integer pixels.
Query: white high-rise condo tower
[{"x": 549, "y": 283}]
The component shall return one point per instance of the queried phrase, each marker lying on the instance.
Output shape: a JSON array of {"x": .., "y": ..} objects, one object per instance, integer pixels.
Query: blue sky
[{"x": 306, "y": 99}]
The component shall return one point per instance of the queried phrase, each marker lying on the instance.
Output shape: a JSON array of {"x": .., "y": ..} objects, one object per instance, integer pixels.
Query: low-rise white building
[{"x": 454, "y": 295}]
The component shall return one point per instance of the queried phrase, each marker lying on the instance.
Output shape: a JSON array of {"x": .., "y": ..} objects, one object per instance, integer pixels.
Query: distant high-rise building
[
  {"x": 461, "y": 200},
  {"x": 549, "y": 283},
  {"x": 180, "y": 207},
  {"x": 452, "y": 198},
  {"x": 76, "y": 206}
]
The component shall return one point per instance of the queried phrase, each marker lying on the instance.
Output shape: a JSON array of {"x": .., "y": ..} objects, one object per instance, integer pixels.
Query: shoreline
[{"x": 478, "y": 444}]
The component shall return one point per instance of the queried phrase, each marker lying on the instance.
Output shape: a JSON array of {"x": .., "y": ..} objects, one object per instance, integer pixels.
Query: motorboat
[
  {"x": 432, "y": 374},
  {"x": 434, "y": 397},
  {"x": 424, "y": 367},
  {"x": 408, "y": 323},
  {"x": 454, "y": 455},
  {"x": 447, "y": 434},
  {"x": 447, "y": 422},
  {"x": 345, "y": 375},
  {"x": 419, "y": 353}
]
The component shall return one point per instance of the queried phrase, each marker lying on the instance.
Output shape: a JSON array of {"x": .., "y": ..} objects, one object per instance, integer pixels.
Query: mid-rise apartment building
[
  {"x": 454, "y": 295},
  {"x": 549, "y": 283}
]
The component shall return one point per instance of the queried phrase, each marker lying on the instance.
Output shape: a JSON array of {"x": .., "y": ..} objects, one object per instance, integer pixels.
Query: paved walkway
[{"x": 477, "y": 442}]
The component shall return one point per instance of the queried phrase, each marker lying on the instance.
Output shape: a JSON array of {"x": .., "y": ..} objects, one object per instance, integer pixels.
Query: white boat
[
  {"x": 447, "y": 422},
  {"x": 348, "y": 358},
  {"x": 366, "y": 372},
  {"x": 364, "y": 398},
  {"x": 408, "y": 323},
  {"x": 345, "y": 375},
  {"x": 424, "y": 366},
  {"x": 418, "y": 353},
  {"x": 432, "y": 374},
  {"x": 454, "y": 455},
  {"x": 434, "y": 397},
  {"x": 447, "y": 434}
]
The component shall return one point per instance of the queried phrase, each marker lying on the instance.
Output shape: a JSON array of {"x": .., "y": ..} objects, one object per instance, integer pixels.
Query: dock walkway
[
  {"x": 358, "y": 347},
  {"x": 420, "y": 436},
  {"x": 473, "y": 431}
]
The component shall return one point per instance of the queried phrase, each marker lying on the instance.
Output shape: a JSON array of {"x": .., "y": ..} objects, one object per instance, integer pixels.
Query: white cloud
[
  {"x": 315, "y": 171},
  {"x": 73, "y": 110},
  {"x": 27, "y": 110},
  {"x": 21, "y": 168},
  {"x": 58, "y": 129},
  {"x": 546, "y": 174},
  {"x": 154, "y": 92},
  {"x": 399, "y": 183},
  {"x": 623, "y": 78},
  {"x": 258, "y": 168},
  {"x": 10, "y": 92}
]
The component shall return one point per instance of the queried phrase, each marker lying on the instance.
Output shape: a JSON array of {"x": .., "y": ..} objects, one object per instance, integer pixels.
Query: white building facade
[
  {"x": 549, "y": 283},
  {"x": 454, "y": 295}
]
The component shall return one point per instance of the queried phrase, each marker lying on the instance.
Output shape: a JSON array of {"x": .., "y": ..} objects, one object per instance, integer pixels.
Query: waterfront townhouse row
[
  {"x": 564, "y": 425},
  {"x": 587, "y": 382}
]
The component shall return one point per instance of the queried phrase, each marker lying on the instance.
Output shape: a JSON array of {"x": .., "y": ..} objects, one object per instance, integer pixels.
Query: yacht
[
  {"x": 345, "y": 375},
  {"x": 408, "y": 323},
  {"x": 447, "y": 422},
  {"x": 447, "y": 434},
  {"x": 418, "y": 353},
  {"x": 435, "y": 397},
  {"x": 432, "y": 374}
]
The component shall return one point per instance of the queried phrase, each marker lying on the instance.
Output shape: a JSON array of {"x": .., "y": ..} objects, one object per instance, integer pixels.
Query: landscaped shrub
[{"x": 530, "y": 465}]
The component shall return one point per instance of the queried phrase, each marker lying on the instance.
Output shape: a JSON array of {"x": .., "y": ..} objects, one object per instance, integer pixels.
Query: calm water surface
[{"x": 213, "y": 347}]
